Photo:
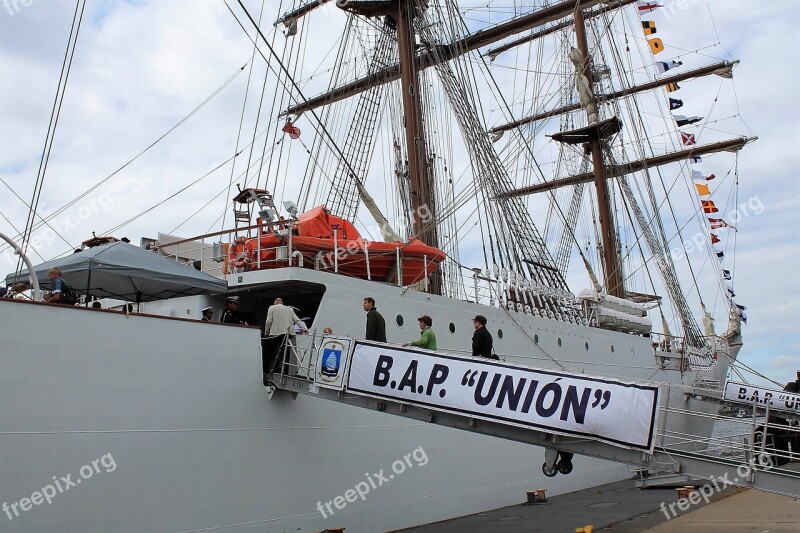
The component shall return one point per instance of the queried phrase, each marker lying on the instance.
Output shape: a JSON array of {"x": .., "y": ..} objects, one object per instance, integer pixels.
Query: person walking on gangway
[
  {"x": 376, "y": 325},
  {"x": 427, "y": 338},
  {"x": 280, "y": 318}
]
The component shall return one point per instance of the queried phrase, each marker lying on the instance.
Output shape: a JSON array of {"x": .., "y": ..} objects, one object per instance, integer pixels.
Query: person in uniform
[
  {"x": 229, "y": 315},
  {"x": 207, "y": 312}
]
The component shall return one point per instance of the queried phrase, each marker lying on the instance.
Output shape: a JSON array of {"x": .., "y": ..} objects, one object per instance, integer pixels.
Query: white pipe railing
[{"x": 37, "y": 292}]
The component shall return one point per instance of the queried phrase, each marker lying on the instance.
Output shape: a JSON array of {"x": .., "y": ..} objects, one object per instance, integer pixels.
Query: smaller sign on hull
[
  {"x": 332, "y": 362},
  {"x": 761, "y": 397},
  {"x": 610, "y": 410}
]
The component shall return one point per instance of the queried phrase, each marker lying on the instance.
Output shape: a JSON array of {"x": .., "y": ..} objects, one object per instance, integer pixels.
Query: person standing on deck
[
  {"x": 482, "y": 340},
  {"x": 208, "y": 312},
  {"x": 376, "y": 325},
  {"x": 427, "y": 338},
  {"x": 60, "y": 287},
  {"x": 229, "y": 315}
]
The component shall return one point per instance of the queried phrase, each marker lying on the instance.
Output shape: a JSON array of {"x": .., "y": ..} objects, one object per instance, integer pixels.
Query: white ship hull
[{"x": 197, "y": 444}]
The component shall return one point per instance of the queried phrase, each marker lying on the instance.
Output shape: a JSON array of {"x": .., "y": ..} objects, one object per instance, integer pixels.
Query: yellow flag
[
  {"x": 649, "y": 27},
  {"x": 702, "y": 189},
  {"x": 656, "y": 45},
  {"x": 671, "y": 87}
]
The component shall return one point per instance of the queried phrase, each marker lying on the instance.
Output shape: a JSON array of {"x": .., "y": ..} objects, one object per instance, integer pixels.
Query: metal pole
[
  {"x": 289, "y": 255},
  {"x": 37, "y": 293},
  {"x": 399, "y": 268},
  {"x": 425, "y": 264},
  {"x": 336, "y": 251},
  {"x": 366, "y": 255}
]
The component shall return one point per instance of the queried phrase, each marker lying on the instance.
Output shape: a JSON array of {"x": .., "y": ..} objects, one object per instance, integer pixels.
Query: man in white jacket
[{"x": 280, "y": 318}]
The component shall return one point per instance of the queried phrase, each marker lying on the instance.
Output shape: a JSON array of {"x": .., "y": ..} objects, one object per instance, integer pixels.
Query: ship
[{"x": 144, "y": 418}]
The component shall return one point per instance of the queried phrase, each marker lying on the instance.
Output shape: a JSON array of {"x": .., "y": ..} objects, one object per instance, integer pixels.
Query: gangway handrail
[{"x": 302, "y": 378}]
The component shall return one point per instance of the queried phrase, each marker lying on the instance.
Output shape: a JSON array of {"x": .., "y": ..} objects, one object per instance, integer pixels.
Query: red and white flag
[
  {"x": 646, "y": 6},
  {"x": 718, "y": 223},
  {"x": 291, "y": 129},
  {"x": 699, "y": 176},
  {"x": 687, "y": 139}
]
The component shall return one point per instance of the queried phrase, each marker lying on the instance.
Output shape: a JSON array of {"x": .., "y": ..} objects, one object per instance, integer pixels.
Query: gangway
[{"x": 566, "y": 413}]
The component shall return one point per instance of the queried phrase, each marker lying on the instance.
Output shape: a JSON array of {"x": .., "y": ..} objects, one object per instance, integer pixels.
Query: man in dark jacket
[
  {"x": 376, "y": 326},
  {"x": 481, "y": 339}
]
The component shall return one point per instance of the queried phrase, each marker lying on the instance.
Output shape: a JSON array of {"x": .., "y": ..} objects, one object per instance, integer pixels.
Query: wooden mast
[
  {"x": 423, "y": 215},
  {"x": 609, "y": 253}
]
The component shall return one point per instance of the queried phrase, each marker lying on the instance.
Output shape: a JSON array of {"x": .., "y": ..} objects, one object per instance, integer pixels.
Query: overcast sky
[{"x": 141, "y": 66}]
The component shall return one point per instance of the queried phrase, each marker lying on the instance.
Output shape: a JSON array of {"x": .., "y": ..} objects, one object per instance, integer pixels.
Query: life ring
[{"x": 241, "y": 260}]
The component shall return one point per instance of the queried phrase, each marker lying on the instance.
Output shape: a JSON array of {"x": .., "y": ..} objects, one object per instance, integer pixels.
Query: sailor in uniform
[
  {"x": 207, "y": 312},
  {"x": 229, "y": 315}
]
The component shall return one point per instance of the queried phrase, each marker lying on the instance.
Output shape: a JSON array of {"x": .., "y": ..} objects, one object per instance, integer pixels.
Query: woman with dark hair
[{"x": 427, "y": 338}]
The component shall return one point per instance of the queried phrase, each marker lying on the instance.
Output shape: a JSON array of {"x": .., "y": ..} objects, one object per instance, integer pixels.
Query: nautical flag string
[{"x": 699, "y": 179}]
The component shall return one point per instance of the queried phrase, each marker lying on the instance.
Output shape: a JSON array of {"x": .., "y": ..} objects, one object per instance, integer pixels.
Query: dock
[{"x": 621, "y": 507}]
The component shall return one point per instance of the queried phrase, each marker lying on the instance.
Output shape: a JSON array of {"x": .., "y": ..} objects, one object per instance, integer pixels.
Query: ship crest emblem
[{"x": 331, "y": 361}]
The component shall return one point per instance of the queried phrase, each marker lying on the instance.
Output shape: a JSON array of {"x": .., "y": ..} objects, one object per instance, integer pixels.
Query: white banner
[
  {"x": 570, "y": 404},
  {"x": 761, "y": 397}
]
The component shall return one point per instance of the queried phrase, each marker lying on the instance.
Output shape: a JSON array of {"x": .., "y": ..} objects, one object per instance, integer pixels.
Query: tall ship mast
[{"x": 524, "y": 164}]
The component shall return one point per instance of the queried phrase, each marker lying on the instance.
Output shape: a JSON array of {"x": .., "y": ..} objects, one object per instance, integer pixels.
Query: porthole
[
  {"x": 612, "y": 348},
  {"x": 499, "y": 333},
  {"x": 559, "y": 341},
  {"x": 452, "y": 328},
  {"x": 399, "y": 320},
  {"x": 586, "y": 345},
  {"x": 536, "y": 339}
]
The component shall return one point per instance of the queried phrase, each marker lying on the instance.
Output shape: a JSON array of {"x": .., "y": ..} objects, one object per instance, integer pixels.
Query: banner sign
[
  {"x": 761, "y": 397},
  {"x": 610, "y": 410},
  {"x": 332, "y": 362}
]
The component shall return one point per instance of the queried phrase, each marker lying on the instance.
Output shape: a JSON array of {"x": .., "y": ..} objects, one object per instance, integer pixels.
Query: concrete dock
[{"x": 621, "y": 507}]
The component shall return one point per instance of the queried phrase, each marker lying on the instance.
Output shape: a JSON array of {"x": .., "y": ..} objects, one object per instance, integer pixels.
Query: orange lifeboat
[
  {"x": 315, "y": 239},
  {"x": 325, "y": 241}
]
